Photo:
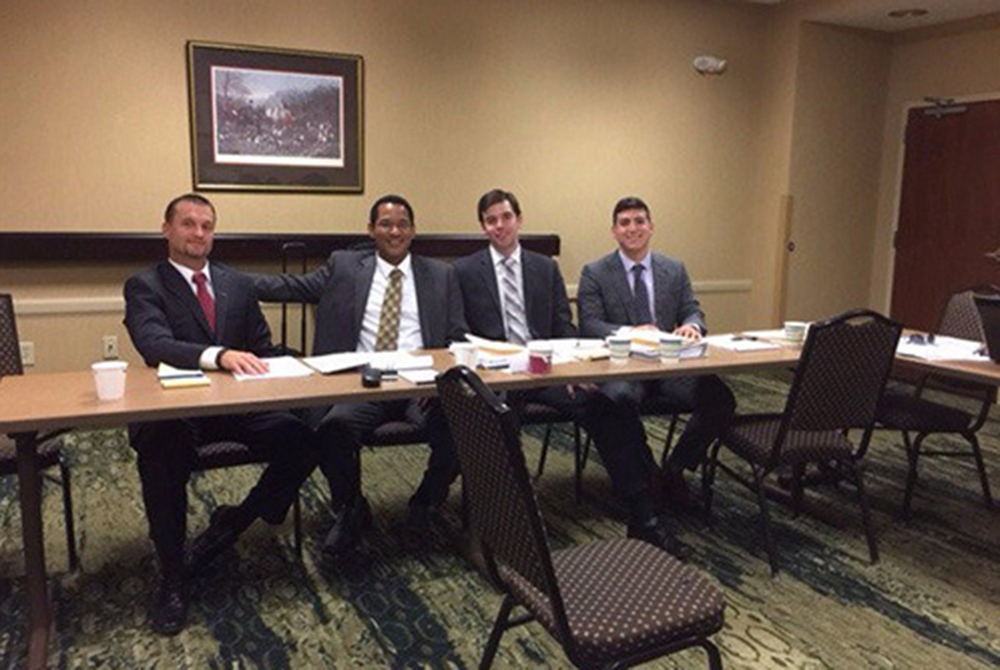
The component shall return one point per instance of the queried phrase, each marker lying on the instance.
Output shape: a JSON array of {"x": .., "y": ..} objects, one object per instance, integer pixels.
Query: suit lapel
[
  {"x": 366, "y": 273},
  {"x": 619, "y": 283},
  {"x": 489, "y": 277},
  {"x": 662, "y": 295},
  {"x": 425, "y": 297},
  {"x": 174, "y": 282},
  {"x": 222, "y": 285}
]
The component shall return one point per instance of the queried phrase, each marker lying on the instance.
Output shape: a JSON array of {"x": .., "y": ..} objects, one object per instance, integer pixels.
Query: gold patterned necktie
[{"x": 388, "y": 320}]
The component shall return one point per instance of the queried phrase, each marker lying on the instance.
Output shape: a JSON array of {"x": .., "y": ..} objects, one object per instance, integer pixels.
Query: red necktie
[{"x": 205, "y": 298}]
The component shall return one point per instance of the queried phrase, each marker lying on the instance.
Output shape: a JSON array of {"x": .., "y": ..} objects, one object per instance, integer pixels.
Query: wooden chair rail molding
[{"x": 230, "y": 247}]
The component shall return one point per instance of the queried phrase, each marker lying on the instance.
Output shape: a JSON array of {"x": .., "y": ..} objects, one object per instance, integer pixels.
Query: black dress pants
[
  {"x": 166, "y": 452},
  {"x": 340, "y": 430}
]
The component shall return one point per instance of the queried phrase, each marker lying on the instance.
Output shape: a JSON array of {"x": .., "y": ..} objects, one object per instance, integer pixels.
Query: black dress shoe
[
  {"x": 655, "y": 532},
  {"x": 351, "y": 523},
  {"x": 421, "y": 519},
  {"x": 170, "y": 608},
  {"x": 224, "y": 528}
]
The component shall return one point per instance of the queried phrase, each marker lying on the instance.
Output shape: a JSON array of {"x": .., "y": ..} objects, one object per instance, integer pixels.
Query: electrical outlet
[
  {"x": 109, "y": 347},
  {"x": 27, "y": 353}
]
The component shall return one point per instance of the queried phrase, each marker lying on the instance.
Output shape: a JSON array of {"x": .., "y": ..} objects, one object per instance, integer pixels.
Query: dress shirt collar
[
  {"x": 384, "y": 267},
  {"x": 189, "y": 274},
  {"x": 498, "y": 257},
  {"x": 628, "y": 263}
]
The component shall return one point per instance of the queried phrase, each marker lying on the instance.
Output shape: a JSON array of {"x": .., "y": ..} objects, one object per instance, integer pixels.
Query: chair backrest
[
  {"x": 500, "y": 502},
  {"x": 961, "y": 318},
  {"x": 843, "y": 370},
  {"x": 10, "y": 348}
]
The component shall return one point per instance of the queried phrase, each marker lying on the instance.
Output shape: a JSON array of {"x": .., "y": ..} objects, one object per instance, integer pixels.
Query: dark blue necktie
[{"x": 640, "y": 297}]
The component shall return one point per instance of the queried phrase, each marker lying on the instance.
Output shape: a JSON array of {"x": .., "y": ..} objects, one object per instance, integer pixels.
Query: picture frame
[{"x": 269, "y": 119}]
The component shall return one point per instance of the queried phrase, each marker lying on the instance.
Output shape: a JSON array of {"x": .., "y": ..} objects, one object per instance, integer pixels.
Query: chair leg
[
  {"x": 499, "y": 626},
  {"x": 545, "y": 451},
  {"x": 581, "y": 452},
  {"x": 668, "y": 442},
  {"x": 297, "y": 524},
  {"x": 67, "y": 492},
  {"x": 714, "y": 658},
  {"x": 913, "y": 456},
  {"x": 765, "y": 521},
  {"x": 798, "y": 472},
  {"x": 708, "y": 469},
  {"x": 857, "y": 474},
  {"x": 981, "y": 467}
]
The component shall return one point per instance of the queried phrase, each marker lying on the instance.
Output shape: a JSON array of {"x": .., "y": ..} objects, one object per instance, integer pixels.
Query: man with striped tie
[
  {"x": 513, "y": 294},
  {"x": 386, "y": 300}
]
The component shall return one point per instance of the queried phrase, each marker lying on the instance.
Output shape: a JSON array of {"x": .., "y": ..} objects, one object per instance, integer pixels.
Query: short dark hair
[
  {"x": 390, "y": 199},
  {"x": 629, "y": 202},
  {"x": 495, "y": 197},
  {"x": 187, "y": 197}
]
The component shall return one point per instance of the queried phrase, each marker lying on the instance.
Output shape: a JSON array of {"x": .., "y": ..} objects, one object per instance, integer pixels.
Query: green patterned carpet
[{"x": 932, "y": 602}]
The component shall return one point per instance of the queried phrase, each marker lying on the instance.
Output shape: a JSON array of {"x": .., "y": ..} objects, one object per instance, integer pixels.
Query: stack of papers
[
  {"x": 741, "y": 342},
  {"x": 382, "y": 360},
  {"x": 943, "y": 348},
  {"x": 174, "y": 378},
  {"x": 279, "y": 367}
]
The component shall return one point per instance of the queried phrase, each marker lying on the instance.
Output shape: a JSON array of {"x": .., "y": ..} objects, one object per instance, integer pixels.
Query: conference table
[{"x": 34, "y": 404}]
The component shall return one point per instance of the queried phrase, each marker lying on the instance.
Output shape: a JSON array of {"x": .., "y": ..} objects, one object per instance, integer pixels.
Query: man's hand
[
  {"x": 571, "y": 389},
  {"x": 243, "y": 362},
  {"x": 688, "y": 331}
]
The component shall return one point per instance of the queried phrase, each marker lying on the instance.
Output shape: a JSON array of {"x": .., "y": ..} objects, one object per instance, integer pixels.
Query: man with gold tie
[{"x": 386, "y": 300}]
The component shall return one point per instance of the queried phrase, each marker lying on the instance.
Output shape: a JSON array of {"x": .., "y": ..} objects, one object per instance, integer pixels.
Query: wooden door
[{"x": 949, "y": 214}]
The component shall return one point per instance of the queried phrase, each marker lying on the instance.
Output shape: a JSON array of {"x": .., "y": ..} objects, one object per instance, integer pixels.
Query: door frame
[{"x": 908, "y": 106}]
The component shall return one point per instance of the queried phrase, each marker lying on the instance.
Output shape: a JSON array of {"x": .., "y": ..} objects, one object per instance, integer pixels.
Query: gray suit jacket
[
  {"x": 546, "y": 304},
  {"x": 604, "y": 299},
  {"x": 340, "y": 289},
  {"x": 166, "y": 322}
]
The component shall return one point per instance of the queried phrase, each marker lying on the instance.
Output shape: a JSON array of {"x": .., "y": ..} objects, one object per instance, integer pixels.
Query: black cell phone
[{"x": 371, "y": 377}]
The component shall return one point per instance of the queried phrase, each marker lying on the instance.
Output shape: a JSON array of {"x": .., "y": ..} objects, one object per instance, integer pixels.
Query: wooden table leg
[{"x": 40, "y": 617}]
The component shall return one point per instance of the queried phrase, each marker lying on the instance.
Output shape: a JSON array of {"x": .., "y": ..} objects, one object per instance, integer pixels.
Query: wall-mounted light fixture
[{"x": 708, "y": 64}]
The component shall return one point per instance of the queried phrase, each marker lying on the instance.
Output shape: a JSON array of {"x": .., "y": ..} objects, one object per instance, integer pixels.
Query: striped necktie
[
  {"x": 388, "y": 320},
  {"x": 517, "y": 329}
]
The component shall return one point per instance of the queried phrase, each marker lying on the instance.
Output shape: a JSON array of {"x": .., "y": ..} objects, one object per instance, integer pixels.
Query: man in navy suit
[
  {"x": 350, "y": 290},
  {"x": 633, "y": 286},
  {"x": 190, "y": 313},
  {"x": 538, "y": 292}
]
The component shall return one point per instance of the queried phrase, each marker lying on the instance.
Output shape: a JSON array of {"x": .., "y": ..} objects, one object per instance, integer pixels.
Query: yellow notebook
[{"x": 175, "y": 378}]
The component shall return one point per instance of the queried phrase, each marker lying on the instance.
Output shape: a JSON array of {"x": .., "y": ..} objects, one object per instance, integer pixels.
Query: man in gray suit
[
  {"x": 634, "y": 287},
  {"x": 513, "y": 294},
  {"x": 386, "y": 300}
]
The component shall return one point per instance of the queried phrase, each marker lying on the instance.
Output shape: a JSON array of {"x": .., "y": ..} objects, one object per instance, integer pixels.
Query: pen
[{"x": 749, "y": 338}]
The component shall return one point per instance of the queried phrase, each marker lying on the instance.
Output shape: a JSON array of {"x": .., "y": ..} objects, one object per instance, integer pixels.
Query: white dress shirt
[
  {"x": 410, "y": 337},
  {"x": 208, "y": 357},
  {"x": 498, "y": 271}
]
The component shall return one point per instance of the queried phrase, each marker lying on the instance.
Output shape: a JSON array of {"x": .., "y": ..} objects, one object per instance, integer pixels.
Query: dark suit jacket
[
  {"x": 545, "y": 301},
  {"x": 166, "y": 322},
  {"x": 604, "y": 298},
  {"x": 340, "y": 289}
]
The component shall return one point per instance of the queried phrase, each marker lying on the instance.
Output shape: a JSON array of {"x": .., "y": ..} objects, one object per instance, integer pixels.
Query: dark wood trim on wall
[{"x": 148, "y": 247}]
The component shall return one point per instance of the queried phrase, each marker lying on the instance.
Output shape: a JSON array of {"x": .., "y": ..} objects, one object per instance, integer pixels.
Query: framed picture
[{"x": 275, "y": 119}]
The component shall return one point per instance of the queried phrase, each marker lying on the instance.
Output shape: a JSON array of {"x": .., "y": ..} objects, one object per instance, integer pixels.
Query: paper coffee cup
[
  {"x": 670, "y": 348},
  {"x": 619, "y": 346},
  {"x": 109, "y": 379},
  {"x": 539, "y": 358},
  {"x": 465, "y": 354},
  {"x": 795, "y": 331}
]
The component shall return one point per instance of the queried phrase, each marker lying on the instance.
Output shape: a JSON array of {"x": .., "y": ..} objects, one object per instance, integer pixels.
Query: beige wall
[
  {"x": 834, "y": 169},
  {"x": 570, "y": 103},
  {"x": 959, "y": 63}
]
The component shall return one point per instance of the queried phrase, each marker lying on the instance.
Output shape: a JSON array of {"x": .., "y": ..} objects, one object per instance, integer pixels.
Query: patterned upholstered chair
[
  {"x": 609, "y": 603},
  {"x": 49, "y": 451},
  {"x": 917, "y": 417},
  {"x": 839, "y": 380}
]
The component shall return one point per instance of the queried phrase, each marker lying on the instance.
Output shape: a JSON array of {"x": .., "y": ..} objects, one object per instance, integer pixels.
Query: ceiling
[{"x": 873, "y": 14}]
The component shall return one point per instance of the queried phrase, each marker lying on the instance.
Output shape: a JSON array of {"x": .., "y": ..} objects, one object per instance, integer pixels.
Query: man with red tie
[{"x": 190, "y": 313}]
